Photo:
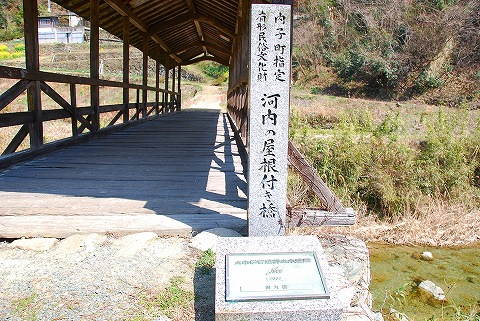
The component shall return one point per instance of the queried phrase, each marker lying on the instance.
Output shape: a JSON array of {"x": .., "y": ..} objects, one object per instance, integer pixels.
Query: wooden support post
[
  {"x": 73, "y": 103},
  {"x": 174, "y": 98},
  {"x": 157, "y": 81},
  {"x": 137, "y": 105},
  {"x": 95, "y": 62},
  {"x": 179, "y": 90},
  {"x": 166, "y": 95},
  {"x": 145, "y": 75},
  {"x": 34, "y": 99},
  {"x": 126, "y": 68}
]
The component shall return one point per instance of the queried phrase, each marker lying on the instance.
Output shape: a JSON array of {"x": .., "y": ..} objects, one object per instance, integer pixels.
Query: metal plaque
[{"x": 267, "y": 276}]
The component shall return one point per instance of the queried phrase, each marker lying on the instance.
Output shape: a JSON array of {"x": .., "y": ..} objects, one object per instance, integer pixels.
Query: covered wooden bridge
[
  {"x": 125, "y": 167},
  {"x": 172, "y": 175}
]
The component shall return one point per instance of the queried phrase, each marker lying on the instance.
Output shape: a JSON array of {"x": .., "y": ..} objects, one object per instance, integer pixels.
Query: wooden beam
[
  {"x": 205, "y": 44},
  {"x": 17, "y": 140},
  {"x": 205, "y": 58},
  {"x": 95, "y": 61},
  {"x": 309, "y": 175},
  {"x": 189, "y": 16},
  {"x": 19, "y": 73},
  {"x": 166, "y": 96},
  {"x": 157, "y": 82},
  {"x": 164, "y": 25},
  {"x": 123, "y": 10},
  {"x": 34, "y": 99},
  {"x": 179, "y": 89},
  {"x": 64, "y": 104},
  {"x": 13, "y": 92},
  {"x": 315, "y": 217},
  {"x": 73, "y": 103},
  {"x": 193, "y": 10},
  {"x": 217, "y": 24},
  {"x": 145, "y": 75},
  {"x": 126, "y": 67},
  {"x": 174, "y": 97},
  {"x": 14, "y": 119}
]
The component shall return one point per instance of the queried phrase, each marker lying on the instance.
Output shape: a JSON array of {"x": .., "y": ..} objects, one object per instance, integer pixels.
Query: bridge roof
[{"x": 186, "y": 30}]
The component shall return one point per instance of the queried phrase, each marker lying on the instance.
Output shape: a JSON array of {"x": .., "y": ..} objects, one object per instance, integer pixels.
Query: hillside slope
[{"x": 390, "y": 48}]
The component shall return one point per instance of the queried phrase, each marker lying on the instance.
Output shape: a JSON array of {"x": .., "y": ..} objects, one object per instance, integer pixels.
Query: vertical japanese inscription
[{"x": 269, "y": 112}]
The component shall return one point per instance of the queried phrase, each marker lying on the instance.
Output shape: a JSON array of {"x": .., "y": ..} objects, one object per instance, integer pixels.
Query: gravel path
[
  {"x": 142, "y": 277},
  {"x": 94, "y": 277}
]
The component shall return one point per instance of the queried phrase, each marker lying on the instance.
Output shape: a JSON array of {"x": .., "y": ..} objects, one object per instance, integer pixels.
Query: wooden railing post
[
  {"x": 145, "y": 75},
  {"x": 126, "y": 68},
  {"x": 174, "y": 98},
  {"x": 95, "y": 61},
  {"x": 179, "y": 90},
  {"x": 137, "y": 105},
  {"x": 166, "y": 100},
  {"x": 73, "y": 102},
  {"x": 157, "y": 81},
  {"x": 34, "y": 99}
]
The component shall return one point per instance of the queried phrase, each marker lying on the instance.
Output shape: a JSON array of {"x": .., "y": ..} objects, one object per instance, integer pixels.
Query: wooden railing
[
  {"x": 237, "y": 106},
  {"x": 84, "y": 120}
]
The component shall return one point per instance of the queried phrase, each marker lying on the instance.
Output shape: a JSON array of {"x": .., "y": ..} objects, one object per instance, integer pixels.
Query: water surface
[{"x": 396, "y": 270}]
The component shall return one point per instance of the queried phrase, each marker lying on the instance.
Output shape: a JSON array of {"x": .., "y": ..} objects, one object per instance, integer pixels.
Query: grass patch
[
  {"x": 172, "y": 301},
  {"x": 26, "y": 307},
  {"x": 206, "y": 262}
]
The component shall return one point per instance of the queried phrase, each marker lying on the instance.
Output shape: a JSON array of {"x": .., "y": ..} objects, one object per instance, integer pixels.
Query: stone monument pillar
[{"x": 269, "y": 101}]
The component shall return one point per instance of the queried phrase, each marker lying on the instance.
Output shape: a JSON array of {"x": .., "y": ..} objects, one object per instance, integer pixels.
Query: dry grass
[
  {"x": 435, "y": 224},
  {"x": 442, "y": 221}
]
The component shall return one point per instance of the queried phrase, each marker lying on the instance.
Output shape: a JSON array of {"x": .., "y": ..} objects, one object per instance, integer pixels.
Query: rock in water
[
  {"x": 427, "y": 256},
  {"x": 431, "y": 293}
]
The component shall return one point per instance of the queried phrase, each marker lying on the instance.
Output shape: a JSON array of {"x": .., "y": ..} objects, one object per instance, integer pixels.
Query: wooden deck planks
[{"x": 175, "y": 174}]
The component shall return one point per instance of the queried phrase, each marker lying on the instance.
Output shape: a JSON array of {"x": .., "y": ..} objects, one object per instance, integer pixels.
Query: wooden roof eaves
[
  {"x": 161, "y": 26},
  {"x": 207, "y": 45},
  {"x": 123, "y": 10},
  {"x": 205, "y": 58}
]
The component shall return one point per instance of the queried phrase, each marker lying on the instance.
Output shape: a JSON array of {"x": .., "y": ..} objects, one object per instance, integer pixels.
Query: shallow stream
[{"x": 397, "y": 270}]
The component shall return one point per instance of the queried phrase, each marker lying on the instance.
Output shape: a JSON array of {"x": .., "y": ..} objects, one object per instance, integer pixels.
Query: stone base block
[{"x": 274, "y": 310}]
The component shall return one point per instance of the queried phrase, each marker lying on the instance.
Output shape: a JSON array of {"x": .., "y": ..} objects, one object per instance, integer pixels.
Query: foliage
[
  {"x": 5, "y": 55},
  {"x": 424, "y": 82},
  {"x": 216, "y": 71},
  {"x": 19, "y": 47},
  {"x": 385, "y": 45},
  {"x": 26, "y": 307},
  {"x": 206, "y": 262},
  {"x": 315, "y": 90},
  {"x": 174, "y": 297},
  {"x": 377, "y": 164},
  {"x": 11, "y": 19},
  {"x": 17, "y": 51}
]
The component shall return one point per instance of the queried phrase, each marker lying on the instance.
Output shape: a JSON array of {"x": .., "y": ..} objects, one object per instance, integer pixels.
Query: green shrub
[
  {"x": 206, "y": 262},
  {"x": 10, "y": 33},
  {"x": 214, "y": 70},
  {"x": 380, "y": 166},
  {"x": 425, "y": 82},
  {"x": 4, "y": 47},
  {"x": 19, "y": 47},
  {"x": 315, "y": 90}
]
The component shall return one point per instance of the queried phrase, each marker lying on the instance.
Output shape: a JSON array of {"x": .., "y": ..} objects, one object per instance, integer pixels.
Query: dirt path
[{"x": 210, "y": 97}]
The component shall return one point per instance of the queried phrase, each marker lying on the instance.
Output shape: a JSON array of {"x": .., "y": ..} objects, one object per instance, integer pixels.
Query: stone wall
[{"x": 349, "y": 260}]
